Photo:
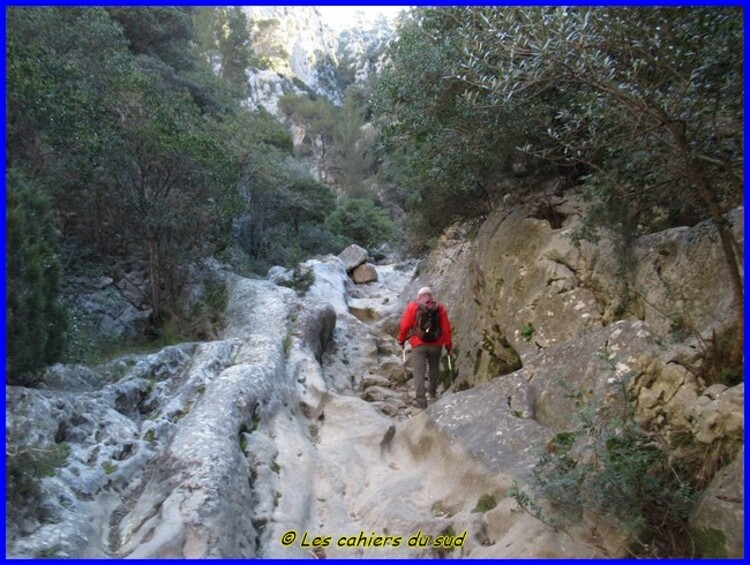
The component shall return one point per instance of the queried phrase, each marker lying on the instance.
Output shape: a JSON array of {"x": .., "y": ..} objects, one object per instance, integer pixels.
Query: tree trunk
[
  {"x": 708, "y": 195},
  {"x": 727, "y": 246},
  {"x": 155, "y": 277}
]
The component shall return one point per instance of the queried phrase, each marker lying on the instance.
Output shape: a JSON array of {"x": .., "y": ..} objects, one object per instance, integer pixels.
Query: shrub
[
  {"x": 615, "y": 468},
  {"x": 24, "y": 468},
  {"x": 527, "y": 331},
  {"x": 35, "y": 318},
  {"x": 361, "y": 221},
  {"x": 486, "y": 502},
  {"x": 301, "y": 281}
]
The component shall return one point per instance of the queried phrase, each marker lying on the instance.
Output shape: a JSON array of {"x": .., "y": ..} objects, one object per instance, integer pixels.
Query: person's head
[{"x": 424, "y": 294}]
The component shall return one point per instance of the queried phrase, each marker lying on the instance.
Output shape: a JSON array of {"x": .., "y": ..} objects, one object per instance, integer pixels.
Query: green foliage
[
  {"x": 83, "y": 341},
  {"x": 301, "y": 281},
  {"x": 643, "y": 106},
  {"x": 356, "y": 145},
  {"x": 617, "y": 469},
  {"x": 710, "y": 543},
  {"x": 60, "y": 62},
  {"x": 318, "y": 117},
  {"x": 284, "y": 212},
  {"x": 361, "y": 221},
  {"x": 265, "y": 44},
  {"x": 24, "y": 468},
  {"x": 236, "y": 54},
  {"x": 649, "y": 108},
  {"x": 527, "y": 331},
  {"x": 164, "y": 33},
  {"x": 114, "y": 128},
  {"x": 172, "y": 190},
  {"x": 35, "y": 318},
  {"x": 206, "y": 318},
  {"x": 116, "y": 120},
  {"x": 286, "y": 344},
  {"x": 454, "y": 149},
  {"x": 109, "y": 468},
  {"x": 485, "y": 503},
  {"x": 627, "y": 77},
  {"x": 449, "y": 373}
]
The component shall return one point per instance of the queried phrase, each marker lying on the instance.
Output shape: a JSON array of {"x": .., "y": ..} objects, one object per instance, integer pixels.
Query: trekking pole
[{"x": 403, "y": 354}]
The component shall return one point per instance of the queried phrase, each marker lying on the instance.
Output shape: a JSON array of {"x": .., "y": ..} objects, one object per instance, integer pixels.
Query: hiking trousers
[{"x": 426, "y": 357}]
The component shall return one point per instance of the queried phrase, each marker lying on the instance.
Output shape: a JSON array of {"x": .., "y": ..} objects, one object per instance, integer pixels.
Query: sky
[{"x": 338, "y": 16}]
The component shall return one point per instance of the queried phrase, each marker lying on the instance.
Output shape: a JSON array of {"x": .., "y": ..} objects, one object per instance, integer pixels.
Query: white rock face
[
  {"x": 305, "y": 48},
  {"x": 307, "y": 51}
]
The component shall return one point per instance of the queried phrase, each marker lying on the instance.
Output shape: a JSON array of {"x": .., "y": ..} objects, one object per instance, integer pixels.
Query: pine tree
[{"x": 35, "y": 317}]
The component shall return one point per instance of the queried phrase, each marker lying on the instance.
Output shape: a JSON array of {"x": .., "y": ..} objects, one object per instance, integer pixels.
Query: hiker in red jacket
[{"x": 425, "y": 323}]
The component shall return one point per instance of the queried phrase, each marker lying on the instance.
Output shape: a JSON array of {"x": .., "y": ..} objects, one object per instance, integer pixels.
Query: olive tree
[
  {"x": 653, "y": 104},
  {"x": 457, "y": 148},
  {"x": 168, "y": 183}
]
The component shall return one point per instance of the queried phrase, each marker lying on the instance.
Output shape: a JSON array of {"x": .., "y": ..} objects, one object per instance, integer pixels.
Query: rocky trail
[
  {"x": 360, "y": 492},
  {"x": 266, "y": 442},
  {"x": 374, "y": 477}
]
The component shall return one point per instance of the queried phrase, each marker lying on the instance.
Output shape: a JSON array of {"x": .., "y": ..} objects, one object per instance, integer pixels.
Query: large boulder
[
  {"x": 352, "y": 257},
  {"x": 365, "y": 273},
  {"x": 167, "y": 431},
  {"x": 717, "y": 524}
]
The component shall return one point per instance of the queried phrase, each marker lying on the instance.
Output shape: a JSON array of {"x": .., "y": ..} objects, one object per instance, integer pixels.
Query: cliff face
[
  {"x": 517, "y": 285},
  {"x": 306, "y": 55},
  {"x": 550, "y": 324}
]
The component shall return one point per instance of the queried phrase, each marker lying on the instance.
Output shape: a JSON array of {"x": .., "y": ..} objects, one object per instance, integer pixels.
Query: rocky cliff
[
  {"x": 547, "y": 323},
  {"x": 295, "y": 434},
  {"x": 306, "y": 55}
]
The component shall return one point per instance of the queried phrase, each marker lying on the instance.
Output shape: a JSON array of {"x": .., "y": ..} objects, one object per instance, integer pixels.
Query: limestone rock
[
  {"x": 378, "y": 394},
  {"x": 131, "y": 292},
  {"x": 717, "y": 524},
  {"x": 718, "y": 413},
  {"x": 375, "y": 380},
  {"x": 108, "y": 312},
  {"x": 331, "y": 284},
  {"x": 517, "y": 277},
  {"x": 365, "y": 273},
  {"x": 352, "y": 257},
  {"x": 278, "y": 274},
  {"x": 681, "y": 275},
  {"x": 217, "y": 449},
  {"x": 503, "y": 438}
]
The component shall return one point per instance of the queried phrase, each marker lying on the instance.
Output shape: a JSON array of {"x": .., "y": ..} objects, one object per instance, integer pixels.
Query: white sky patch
[{"x": 340, "y": 17}]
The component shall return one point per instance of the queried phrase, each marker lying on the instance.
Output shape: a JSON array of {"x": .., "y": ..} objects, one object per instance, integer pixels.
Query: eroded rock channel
[{"x": 295, "y": 435}]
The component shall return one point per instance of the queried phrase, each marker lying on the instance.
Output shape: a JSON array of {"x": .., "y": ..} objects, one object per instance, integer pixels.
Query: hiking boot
[{"x": 421, "y": 403}]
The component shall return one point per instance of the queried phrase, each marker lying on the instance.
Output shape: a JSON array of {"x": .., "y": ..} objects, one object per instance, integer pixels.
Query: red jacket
[{"x": 409, "y": 320}]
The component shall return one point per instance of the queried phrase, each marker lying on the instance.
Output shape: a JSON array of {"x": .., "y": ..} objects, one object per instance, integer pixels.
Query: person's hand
[{"x": 401, "y": 344}]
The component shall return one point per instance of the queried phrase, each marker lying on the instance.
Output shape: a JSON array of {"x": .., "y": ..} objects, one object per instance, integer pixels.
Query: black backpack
[{"x": 427, "y": 327}]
